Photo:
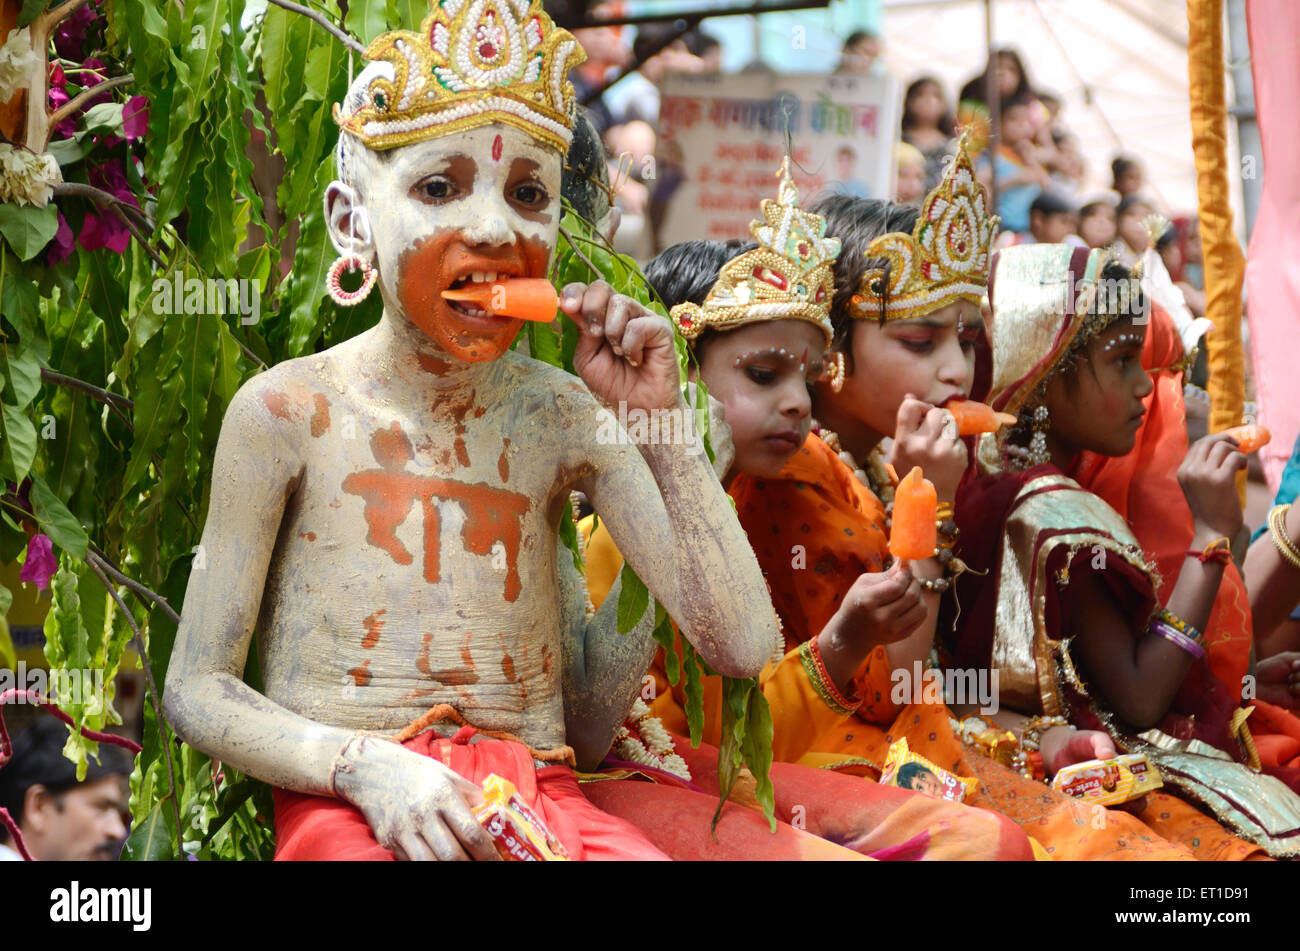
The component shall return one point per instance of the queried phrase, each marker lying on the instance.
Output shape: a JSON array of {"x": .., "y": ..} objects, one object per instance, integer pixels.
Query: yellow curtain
[{"x": 1225, "y": 266}]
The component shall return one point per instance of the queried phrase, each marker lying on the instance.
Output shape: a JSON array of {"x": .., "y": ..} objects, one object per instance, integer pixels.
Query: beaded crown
[
  {"x": 944, "y": 259},
  {"x": 788, "y": 276},
  {"x": 472, "y": 63}
]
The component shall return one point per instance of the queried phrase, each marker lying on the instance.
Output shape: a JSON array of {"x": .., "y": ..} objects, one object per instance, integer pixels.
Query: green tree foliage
[{"x": 117, "y": 367}]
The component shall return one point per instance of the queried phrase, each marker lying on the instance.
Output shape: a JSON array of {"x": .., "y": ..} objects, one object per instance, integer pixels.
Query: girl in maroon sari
[{"x": 1068, "y": 613}]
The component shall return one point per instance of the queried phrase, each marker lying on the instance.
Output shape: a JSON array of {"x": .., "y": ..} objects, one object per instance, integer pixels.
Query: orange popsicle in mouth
[
  {"x": 523, "y": 298},
  {"x": 913, "y": 533},
  {"x": 975, "y": 418}
]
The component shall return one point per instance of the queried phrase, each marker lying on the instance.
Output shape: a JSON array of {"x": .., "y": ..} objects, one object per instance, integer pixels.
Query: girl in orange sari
[{"x": 1070, "y": 614}]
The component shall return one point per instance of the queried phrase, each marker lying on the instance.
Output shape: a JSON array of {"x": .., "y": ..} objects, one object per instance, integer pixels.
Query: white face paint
[{"x": 436, "y": 212}]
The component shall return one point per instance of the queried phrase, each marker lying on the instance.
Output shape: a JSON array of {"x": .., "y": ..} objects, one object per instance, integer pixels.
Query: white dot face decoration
[{"x": 448, "y": 211}]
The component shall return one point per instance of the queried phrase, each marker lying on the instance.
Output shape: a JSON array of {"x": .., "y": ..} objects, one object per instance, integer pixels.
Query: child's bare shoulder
[
  {"x": 287, "y": 400},
  {"x": 542, "y": 385}
]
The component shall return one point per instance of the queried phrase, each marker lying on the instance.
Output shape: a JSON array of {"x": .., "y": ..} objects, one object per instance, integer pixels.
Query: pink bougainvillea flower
[
  {"x": 104, "y": 231},
  {"x": 135, "y": 117},
  {"x": 66, "y": 128},
  {"x": 103, "y": 228},
  {"x": 70, "y": 36},
  {"x": 41, "y": 564},
  {"x": 62, "y": 245}
]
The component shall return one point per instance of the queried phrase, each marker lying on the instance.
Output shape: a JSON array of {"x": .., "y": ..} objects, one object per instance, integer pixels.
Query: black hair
[
  {"x": 683, "y": 273},
  {"x": 1018, "y": 100},
  {"x": 1120, "y": 165},
  {"x": 1128, "y": 201},
  {"x": 856, "y": 222},
  {"x": 700, "y": 43},
  {"x": 1090, "y": 209},
  {"x": 1167, "y": 237},
  {"x": 856, "y": 37},
  {"x": 655, "y": 36},
  {"x": 1051, "y": 202},
  {"x": 585, "y": 179},
  {"x": 910, "y": 771},
  {"x": 38, "y": 758},
  {"x": 977, "y": 89},
  {"x": 947, "y": 125}
]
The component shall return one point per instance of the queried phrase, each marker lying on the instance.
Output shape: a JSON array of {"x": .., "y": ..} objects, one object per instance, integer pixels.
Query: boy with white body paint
[{"x": 373, "y": 618}]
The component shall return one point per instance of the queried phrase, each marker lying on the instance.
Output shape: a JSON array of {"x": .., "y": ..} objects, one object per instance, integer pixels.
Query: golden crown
[
  {"x": 788, "y": 276},
  {"x": 473, "y": 63},
  {"x": 944, "y": 259}
]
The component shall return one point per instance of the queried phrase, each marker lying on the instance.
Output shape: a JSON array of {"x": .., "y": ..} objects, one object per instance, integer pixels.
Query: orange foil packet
[
  {"x": 1107, "y": 782},
  {"x": 519, "y": 833},
  {"x": 907, "y": 770}
]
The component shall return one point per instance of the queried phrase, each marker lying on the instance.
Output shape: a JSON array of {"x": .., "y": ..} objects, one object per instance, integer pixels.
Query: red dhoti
[{"x": 316, "y": 828}]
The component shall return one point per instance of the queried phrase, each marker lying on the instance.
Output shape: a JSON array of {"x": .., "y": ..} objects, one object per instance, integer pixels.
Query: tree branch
[
  {"x": 119, "y": 207},
  {"x": 131, "y": 584},
  {"x": 54, "y": 16},
  {"x": 342, "y": 37},
  {"x": 154, "y": 700},
  {"x": 90, "y": 389},
  {"x": 90, "y": 92}
]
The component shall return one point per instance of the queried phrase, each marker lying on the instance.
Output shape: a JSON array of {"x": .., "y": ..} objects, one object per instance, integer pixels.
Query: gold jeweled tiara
[
  {"x": 472, "y": 63},
  {"x": 944, "y": 259},
  {"x": 788, "y": 276}
]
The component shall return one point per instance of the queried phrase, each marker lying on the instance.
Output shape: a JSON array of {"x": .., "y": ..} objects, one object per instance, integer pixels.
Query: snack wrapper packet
[
  {"x": 907, "y": 770},
  {"x": 1106, "y": 782},
  {"x": 520, "y": 834}
]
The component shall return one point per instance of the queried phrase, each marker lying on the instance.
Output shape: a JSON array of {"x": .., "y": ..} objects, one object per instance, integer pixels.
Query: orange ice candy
[
  {"x": 1251, "y": 438},
  {"x": 974, "y": 418},
  {"x": 523, "y": 298},
  {"x": 913, "y": 533}
]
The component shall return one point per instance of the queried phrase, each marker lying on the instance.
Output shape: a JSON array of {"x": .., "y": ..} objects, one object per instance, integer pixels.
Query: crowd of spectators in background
[{"x": 1038, "y": 164}]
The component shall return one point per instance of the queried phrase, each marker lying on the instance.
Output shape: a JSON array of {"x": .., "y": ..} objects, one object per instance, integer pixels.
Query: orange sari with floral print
[{"x": 815, "y": 528}]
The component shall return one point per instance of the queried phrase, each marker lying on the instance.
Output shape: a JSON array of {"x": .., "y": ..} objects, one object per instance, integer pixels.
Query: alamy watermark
[
  {"x": 955, "y": 687},
  {"x": 77, "y": 686},
  {"x": 209, "y": 295},
  {"x": 659, "y": 427}
]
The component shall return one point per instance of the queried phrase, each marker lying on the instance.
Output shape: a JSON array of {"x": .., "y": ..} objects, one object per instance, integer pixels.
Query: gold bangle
[
  {"x": 1277, "y": 529},
  {"x": 1029, "y": 738}
]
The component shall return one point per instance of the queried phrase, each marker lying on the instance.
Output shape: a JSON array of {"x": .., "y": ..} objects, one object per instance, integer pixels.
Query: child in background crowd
[
  {"x": 911, "y": 175},
  {"x": 1097, "y": 225},
  {"x": 929, "y": 126},
  {"x": 1020, "y": 179}
]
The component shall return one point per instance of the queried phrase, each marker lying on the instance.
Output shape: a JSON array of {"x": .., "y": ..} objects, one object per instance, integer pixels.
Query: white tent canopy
[{"x": 1119, "y": 67}]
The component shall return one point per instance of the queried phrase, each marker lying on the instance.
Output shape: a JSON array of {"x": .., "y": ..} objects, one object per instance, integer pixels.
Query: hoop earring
[
  {"x": 836, "y": 372},
  {"x": 350, "y": 262}
]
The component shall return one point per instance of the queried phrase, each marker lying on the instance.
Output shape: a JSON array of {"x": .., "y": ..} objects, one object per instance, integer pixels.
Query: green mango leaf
[
  {"x": 366, "y": 19},
  {"x": 729, "y": 755},
  {"x": 7, "y": 654},
  {"x": 30, "y": 11},
  {"x": 27, "y": 229},
  {"x": 756, "y": 748},
  {"x": 70, "y": 151},
  {"x": 694, "y": 691},
  {"x": 22, "y": 375},
  {"x": 633, "y": 600},
  {"x": 305, "y": 287},
  {"x": 666, "y": 636},
  {"x": 17, "y": 443},
  {"x": 104, "y": 119},
  {"x": 20, "y": 303},
  {"x": 153, "y": 839},
  {"x": 56, "y": 521},
  {"x": 8, "y": 657}
]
